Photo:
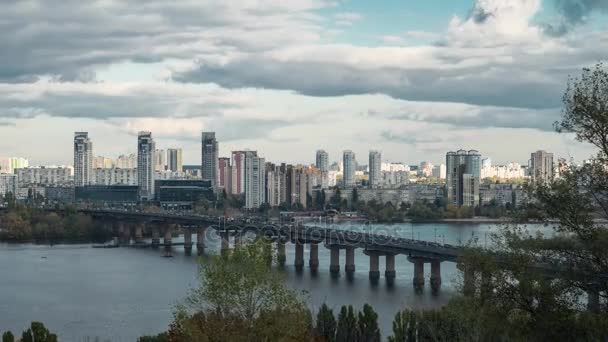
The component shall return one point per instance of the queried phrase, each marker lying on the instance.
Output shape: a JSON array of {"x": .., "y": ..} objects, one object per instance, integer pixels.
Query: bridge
[{"x": 132, "y": 225}]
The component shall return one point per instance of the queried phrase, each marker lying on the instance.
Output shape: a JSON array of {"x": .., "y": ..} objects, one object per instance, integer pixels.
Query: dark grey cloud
[
  {"x": 408, "y": 138},
  {"x": 509, "y": 86},
  {"x": 94, "y": 101},
  {"x": 70, "y": 39},
  {"x": 484, "y": 117}
]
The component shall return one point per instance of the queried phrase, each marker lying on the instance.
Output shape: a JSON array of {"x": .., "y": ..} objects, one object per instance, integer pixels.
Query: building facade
[
  {"x": 115, "y": 176},
  {"x": 174, "y": 160},
  {"x": 463, "y": 176},
  {"x": 541, "y": 166},
  {"x": 44, "y": 176},
  {"x": 8, "y": 183},
  {"x": 209, "y": 154},
  {"x": 145, "y": 165},
  {"x": 255, "y": 180},
  {"x": 83, "y": 159},
  {"x": 238, "y": 172},
  {"x": 225, "y": 174},
  {"x": 348, "y": 169},
  {"x": 375, "y": 169}
]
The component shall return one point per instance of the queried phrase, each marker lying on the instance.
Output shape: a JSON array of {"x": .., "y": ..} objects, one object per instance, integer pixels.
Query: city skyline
[{"x": 412, "y": 88}]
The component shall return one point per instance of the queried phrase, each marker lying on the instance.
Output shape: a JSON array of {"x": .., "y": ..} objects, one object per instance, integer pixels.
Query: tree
[
  {"x": 38, "y": 333},
  {"x": 326, "y": 324},
  {"x": 368, "y": 325},
  {"x": 241, "y": 298},
  {"x": 8, "y": 337},
  {"x": 347, "y": 325}
]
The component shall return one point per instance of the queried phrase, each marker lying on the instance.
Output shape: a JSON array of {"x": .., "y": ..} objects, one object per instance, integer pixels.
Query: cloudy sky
[{"x": 413, "y": 79}]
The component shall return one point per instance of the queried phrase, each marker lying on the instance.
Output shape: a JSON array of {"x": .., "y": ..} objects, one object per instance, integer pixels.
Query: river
[{"x": 119, "y": 294}]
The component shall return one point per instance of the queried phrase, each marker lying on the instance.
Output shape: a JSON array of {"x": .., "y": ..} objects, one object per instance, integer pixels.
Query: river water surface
[{"x": 118, "y": 294}]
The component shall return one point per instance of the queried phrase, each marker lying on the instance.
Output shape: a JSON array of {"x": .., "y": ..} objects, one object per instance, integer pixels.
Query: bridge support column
[
  {"x": 139, "y": 233},
  {"x": 125, "y": 233},
  {"x": 349, "y": 268},
  {"x": 334, "y": 261},
  {"x": 389, "y": 272},
  {"x": 237, "y": 240},
  {"x": 167, "y": 240},
  {"x": 188, "y": 241},
  {"x": 200, "y": 240},
  {"x": 155, "y": 237},
  {"x": 374, "y": 267},
  {"x": 313, "y": 261},
  {"x": 435, "y": 276},
  {"x": 225, "y": 244},
  {"x": 593, "y": 300},
  {"x": 418, "y": 274},
  {"x": 281, "y": 258},
  {"x": 299, "y": 260}
]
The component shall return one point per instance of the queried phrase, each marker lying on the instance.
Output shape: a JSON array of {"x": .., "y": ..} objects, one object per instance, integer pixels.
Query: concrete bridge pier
[
  {"x": 125, "y": 234},
  {"x": 435, "y": 276},
  {"x": 374, "y": 267},
  {"x": 139, "y": 233},
  {"x": 225, "y": 244},
  {"x": 200, "y": 240},
  {"x": 237, "y": 240},
  {"x": 167, "y": 240},
  {"x": 281, "y": 255},
  {"x": 418, "y": 273},
  {"x": 299, "y": 260},
  {"x": 349, "y": 268},
  {"x": 593, "y": 300},
  {"x": 313, "y": 261},
  {"x": 334, "y": 261},
  {"x": 155, "y": 237},
  {"x": 188, "y": 241},
  {"x": 389, "y": 272}
]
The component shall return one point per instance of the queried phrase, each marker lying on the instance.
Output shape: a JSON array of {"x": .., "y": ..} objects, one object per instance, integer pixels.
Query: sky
[{"x": 413, "y": 79}]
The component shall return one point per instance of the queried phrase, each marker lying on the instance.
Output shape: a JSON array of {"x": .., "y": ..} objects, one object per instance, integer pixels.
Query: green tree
[
  {"x": 347, "y": 325},
  {"x": 38, "y": 333},
  {"x": 368, "y": 325},
  {"x": 241, "y": 288},
  {"x": 8, "y": 337},
  {"x": 326, "y": 324}
]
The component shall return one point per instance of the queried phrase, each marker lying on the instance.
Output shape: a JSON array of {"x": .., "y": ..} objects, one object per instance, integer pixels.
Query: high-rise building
[
  {"x": 439, "y": 171},
  {"x": 28, "y": 176},
  {"x": 126, "y": 162},
  {"x": 115, "y": 176},
  {"x": 349, "y": 168},
  {"x": 322, "y": 162},
  {"x": 238, "y": 172},
  {"x": 145, "y": 165},
  {"x": 541, "y": 166},
  {"x": 83, "y": 159},
  {"x": 273, "y": 185},
  {"x": 101, "y": 162},
  {"x": 255, "y": 180},
  {"x": 225, "y": 174},
  {"x": 375, "y": 169},
  {"x": 209, "y": 157},
  {"x": 8, "y": 183},
  {"x": 174, "y": 159},
  {"x": 463, "y": 174},
  {"x": 159, "y": 160}
]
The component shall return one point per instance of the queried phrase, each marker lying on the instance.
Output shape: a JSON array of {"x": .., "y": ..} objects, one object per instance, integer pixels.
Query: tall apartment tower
[
  {"x": 209, "y": 158},
  {"x": 159, "y": 160},
  {"x": 238, "y": 172},
  {"x": 83, "y": 159},
  {"x": 255, "y": 180},
  {"x": 349, "y": 168},
  {"x": 375, "y": 169},
  {"x": 462, "y": 178},
  {"x": 174, "y": 160},
  {"x": 145, "y": 165},
  {"x": 225, "y": 174},
  {"x": 541, "y": 166},
  {"x": 322, "y": 162}
]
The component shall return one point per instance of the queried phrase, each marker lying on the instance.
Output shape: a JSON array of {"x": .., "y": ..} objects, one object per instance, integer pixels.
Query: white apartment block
[{"x": 44, "y": 176}]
